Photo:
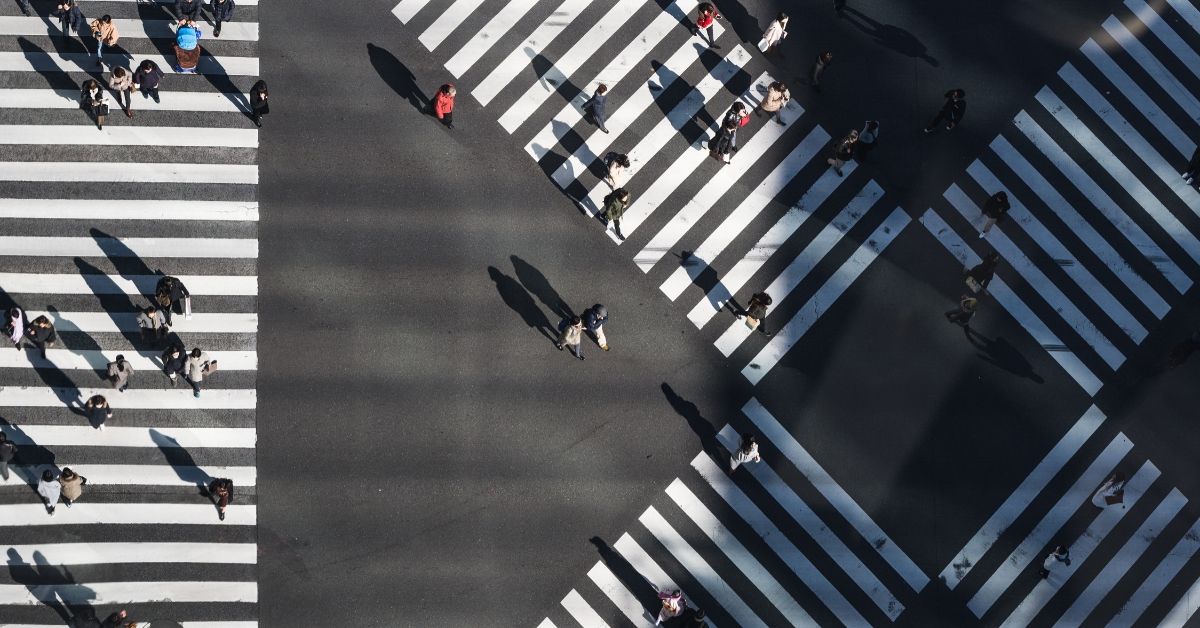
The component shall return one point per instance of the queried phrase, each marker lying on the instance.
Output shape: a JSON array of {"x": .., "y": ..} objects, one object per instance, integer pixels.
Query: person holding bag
[
  {"x": 978, "y": 277},
  {"x": 105, "y": 33},
  {"x": 775, "y": 33},
  {"x": 755, "y": 312},
  {"x": 95, "y": 100},
  {"x": 220, "y": 491},
  {"x": 776, "y": 99},
  {"x": 843, "y": 152},
  {"x": 121, "y": 82}
]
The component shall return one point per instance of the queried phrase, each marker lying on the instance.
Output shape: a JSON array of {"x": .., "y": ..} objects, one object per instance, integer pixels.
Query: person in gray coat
[
  {"x": 596, "y": 106},
  {"x": 119, "y": 372},
  {"x": 198, "y": 365},
  {"x": 571, "y": 335}
]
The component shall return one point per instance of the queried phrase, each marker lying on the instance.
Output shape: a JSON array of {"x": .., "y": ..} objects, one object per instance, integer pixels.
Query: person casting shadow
[
  {"x": 398, "y": 77},
  {"x": 703, "y": 429},
  {"x": 888, "y": 35},
  {"x": 1003, "y": 355},
  {"x": 537, "y": 284},
  {"x": 518, "y": 300}
]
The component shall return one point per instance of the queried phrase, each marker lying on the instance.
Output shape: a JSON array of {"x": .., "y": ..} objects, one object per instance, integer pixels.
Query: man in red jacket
[{"x": 443, "y": 104}]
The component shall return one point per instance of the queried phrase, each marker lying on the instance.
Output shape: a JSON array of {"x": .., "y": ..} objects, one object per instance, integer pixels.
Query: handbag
[
  {"x": 974, "y": 285},
  {"x": 752, "y": 322},
  {"x": 763, "y": 45},
  {"x": 210, "y": 367},
  {"x": 1115, "y": 498},
  {"x": 102, "y": 110}
]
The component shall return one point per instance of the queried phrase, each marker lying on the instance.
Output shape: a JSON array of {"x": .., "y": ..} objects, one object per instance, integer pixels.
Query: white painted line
[
  {"x": 449, "y": 20},
  {"x": 1039, "y": 282},
  {"x": 824, "y": 298},
  {"x": 119, "y": 436},
  {"x": 1062, "y": 256},
  {"x": 134, "y": 398},
  {"x": 86, "y": 62},
  {"x": 61, "y": 246},
  {"x": 621, "y": 597},
  {"x": 808, "y": 519},
  {"x": 595, "y": 39},
  {"x": 714, "y": 188},
  {"x": 805, "y": 262},
  {"x": 546, "y": 623},
  {"x": 105, "y": 593},
  {"x": 127, "y": 321},
  {"x": 1019, "y": 500},
  {"x": 1102, "y": 523},
  {"x": 744, "y": 214},
  {"x": 241, "y": 3},
  {"x": 1188, "y": 12},
  {"x": 700, "y": 570},
  {"x": 641, "y": 561},
  {"x": 1041, "y": 535},
  {"x": 1123, "y": 560},
  {"x": 1166, "y": 35},
  {"x": 133, "y": 285},
  {"x": 1013, "y": 304},
  {"x": 182, "y": 624},
  {"x": 92, "y": 553},
  {"x": 94, "y": 360},
  {"x": 767, "y": 245},
  {"x": 12, "y": 98},
  {"x": 126, "y": 209},
  {"x": 91, "y": 513},
  {"x": 1157, "y": 581},
  {"x": 629, "y": 58},
  {"x": 129, "y": 29},
  {"x": 142, "y": 474},
  {"x": 107, "y": 172},
  {"x": 1183, "y": 610},
  {"x": 1153, "y": 67},
  {"x": 773, "y": 431},
  {"x": 1081, "y": 228},
  {"x": 521, "y": 57},
  {"x": 88, "y": 135},
  {"x": 581, "y": 611},
  {"x": 407, "y": 9},
  {"x": 497, "y": 26}
]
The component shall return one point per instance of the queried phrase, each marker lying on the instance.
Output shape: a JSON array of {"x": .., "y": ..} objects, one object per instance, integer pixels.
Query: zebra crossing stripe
[
  {"x": 805, "y": 262},
  {"x": 134, "y": 172},
  {"x": 1188, "y": 12},
  {"x": 641, "y": 561},
  {"x": 1050, "y": 524},
  {"x": 1183, "y": 610},
  {"x": 12, "y": 98},
  {"x": 1157, "y": 581},
  {"x": 1123, "y": 560},
  {"x": 546, "y": 623},
  {"x": 132, "y": 285},
  {"x": 1101, "y": 201},
  {"x": 1165, "y": 34},
  {"x": 519, "y": 59},
  {"x": 88, "y": 135},
  {"x": 579, "y": 609},
  {"x": 1059, "y": 252},
  {"x": 60, "y": 246},
  {"x": 700, "y": 570},
  {"x": 497, "y": 26},
  {"x": 96, "y": 360},
  {"x": 833, "y": 492},
  {"x": 1081, "y": 549},
  {"x": 1014, "y": 305},
  {"x": 91, "y": 513},
  {"x": 142, "y": 552},
  {"x": 1152, "y": 67},
  {"x": 134, "y": 398},
  {"x": 587, "y": 45},
  {"x": 128, "y": 28},
  {"x": 621, "y": 597},
  {"x": 1084, "y": 230},
  {"x": 144, "y": 474},
  {"x": 824, "y": 298},
  {"x": 82, "y": 62},
  {"x": 125, "y": 209},
  {"x": 408, "y": 8},
  {"x": 182, "y": 624},
  {"x": 241, "y": 3},
  {"x": 104, "y": 593},
  {"x": 115, "y": 322},
  {"x": 447, "y": 21},
  {"x": 741, "y": 217},
  {"x": 766, "y": 246},
  {"x": 1019, "y": 500},
  {"x": 120, "y": 436}
]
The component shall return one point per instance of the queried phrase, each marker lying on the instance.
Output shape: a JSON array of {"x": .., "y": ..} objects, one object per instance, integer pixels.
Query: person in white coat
[
  {"x": 746, "y": 452},
  {"x": 775, "y": 33},
  {"x": 1112, "y": 492},
  {"x": 14, "y": 326},
  {"x": 49, "y": 489}
]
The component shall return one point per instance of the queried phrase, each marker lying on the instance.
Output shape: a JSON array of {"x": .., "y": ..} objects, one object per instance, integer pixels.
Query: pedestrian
[
  {"x": 14, "y": 327},
  {"x": 962, "y": 315},
  {"x": 570, "y": 333},
  {"x": 105, "y": 33},
  {"x": 70, "y": 17},
  {"x": 72, "y": 485},
  {"x": 843, "y": 151},
  {"x": 153, "y": 327},
  {"x": 116, "y": 620},
  {"x": 737, "y": 114},
  {"x": 187, "y": 47},
  {"x": 979, "y": 276},
  {"x": 119, "y": 372},
  {"x": 593, "y": 322},
  {"x": 220, "y": 491},
  {"x": 187, "y": 9},
  {"x": 222, "y": 11},
  {"x": 49, "y": 490},
  {"x": 98, "y": 410},
  {"x": 1060, "y": 555},
  {"x": 814, "y": 76},
  {"x": 198, "y": 366},
  {"x": 995, "y": 209},
  {"x": 596, "y": 106},
  {"x": 121, "y": 82},
  {"x": 259, "y": 106},
  {"x": 41, "y": 333},
  {"x": 672, "y": 605},
  {"x": 8, "y": 451},
  {"x": 443, "y": 104},
  {"x": 174, "y": 363},
  {"x": 776, "y": 99},
  {"x": 755, "y": 312},
  {"x": 868, "y": 139},
  {"x": 706, "y": 14},
  {"x": 776, "y": 32},
  {"x": 94, "y": 100},
  {"x": 615, "y": 165},
  {"x": 952, "y": 110},
  {"x": 615, "y": 204},
  {"x": 1111, "y": 492},
  {"x": 722, "y": 146},
  {"x": 747, "y": 452},
  {"x": 147, "y": 79},
  {"x": 172, "y": 296}
]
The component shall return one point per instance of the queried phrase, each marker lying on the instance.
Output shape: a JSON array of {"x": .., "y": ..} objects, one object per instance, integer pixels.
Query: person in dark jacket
[
  {"x": 187, "y": 9},
  {"x": 222, "y": 11},
  {"x": 995, "y": 209},
  {"x": 259, "y": 103},
  {"x": 8, "y": 451},
  {"x": 41, "y": 333},
  {"x": 174, "y": 363},
  {"x": 70, "y": 17},
  {"x": 952, "y": 111},
  {"x": 94, "y": 99},
  {"x": 596, "y": 106},
  {"x": 822, "y": 61},
  {"x": 220, "y": 491},
  {"x": 981, "y": 274},
  {"x": 593, "y": 322},
  {"x": 98, "y": 410},
  {"x": 146, "y": 79},
  {"x": 843, "y": 151},
  {"x": 615, "y": 204},
  {"x": 443, "y": 104},
  {"x": 170, "y": 294},
  {"x": 756, "y": 309},
  {"x": 724, "y": 144},
  {"x": 115, "y": 620}
]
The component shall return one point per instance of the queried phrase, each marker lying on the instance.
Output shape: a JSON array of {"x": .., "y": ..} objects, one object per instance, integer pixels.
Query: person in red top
[
  {"x": 443, "y": 104},
  {"x": 708, "y": 14}
]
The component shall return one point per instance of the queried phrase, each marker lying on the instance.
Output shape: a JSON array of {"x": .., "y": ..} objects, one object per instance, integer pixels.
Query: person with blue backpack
[{"x": 187, "y": 46}]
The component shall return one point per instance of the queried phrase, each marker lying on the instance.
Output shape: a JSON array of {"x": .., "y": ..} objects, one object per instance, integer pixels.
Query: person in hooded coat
[{"x": 593, "y": 321}]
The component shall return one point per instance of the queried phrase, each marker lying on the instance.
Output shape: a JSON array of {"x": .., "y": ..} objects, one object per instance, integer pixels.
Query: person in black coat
[
  {"x": 170, "y": 293},
  {"x": 41, "y": 334},
  {"x": 220, "y": 491},
  {"x": 146, "y": 79},
  {"x": 995, "y": 210},
  {"x": 174, "y": 363},
  {"x": 981, "y": 274},
  {"x": 757, "y": 309},
  {"x": 952, "y": 111},
  {"x": 259, "y": 105},
  {"x": 597, "y": 106},
  {"x": 722, "y": 146},
  {"x": 70, "y": 17},
  {"x": 189, "y": 9},
  {"x": 222, "y": 11}
]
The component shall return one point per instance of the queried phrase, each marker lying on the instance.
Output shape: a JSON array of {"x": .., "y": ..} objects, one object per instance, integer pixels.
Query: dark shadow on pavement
[
  {"x": 889, "y": 36},
  {"x": 181, "y": 461},
  {"x": 518, "y": 300},
  {"x": 1003, "y": 355},
  {"x": 55, "y": 587},
  {"x": 703, "y": 429},
  {"x": 628, "y": 576},
  {"x": 398, "y": 77},
  {"x": 537, "y": 284}
]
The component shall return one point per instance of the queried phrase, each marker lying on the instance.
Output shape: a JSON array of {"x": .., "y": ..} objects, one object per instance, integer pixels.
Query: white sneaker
[{"x": 101, "y": 427}]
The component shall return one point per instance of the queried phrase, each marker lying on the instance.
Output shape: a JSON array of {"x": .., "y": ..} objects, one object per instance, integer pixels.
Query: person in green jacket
[{"x": 615, "y": 204}]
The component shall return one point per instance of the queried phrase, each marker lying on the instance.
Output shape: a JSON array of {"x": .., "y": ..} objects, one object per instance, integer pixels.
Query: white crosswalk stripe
[{"x": 127, "y": 28}]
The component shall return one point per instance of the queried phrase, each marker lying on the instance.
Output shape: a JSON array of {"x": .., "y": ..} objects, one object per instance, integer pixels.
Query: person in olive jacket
[{"x": 615, "y": 204}]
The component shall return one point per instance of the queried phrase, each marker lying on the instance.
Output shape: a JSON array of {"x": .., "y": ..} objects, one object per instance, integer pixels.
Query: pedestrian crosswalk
[
  {"x": 711, "y": 234},
  {"x": 90, "y": 221},
  {"x": 1103, "y": 236}
]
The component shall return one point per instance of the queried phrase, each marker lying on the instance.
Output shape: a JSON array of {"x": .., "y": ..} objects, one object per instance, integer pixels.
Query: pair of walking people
[
  {"x": 68, "y": 487},
  {"x": 39, "y": 332},
  {"x": 571, "y": 330},
  {"x": 193, "y": 367}
]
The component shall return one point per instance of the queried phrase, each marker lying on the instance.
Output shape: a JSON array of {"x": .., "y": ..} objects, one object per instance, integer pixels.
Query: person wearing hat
[
  {"x": 593, "y": 321},
  {"x": 72, "y": 485}
]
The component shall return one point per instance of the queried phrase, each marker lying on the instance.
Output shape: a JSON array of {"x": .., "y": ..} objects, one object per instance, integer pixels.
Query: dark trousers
[
  {"x": 942, "y": 116},
  {"x": 960, "y": 316},
  {"x": 153, "y": 336},
  {"x": 1193, "y": 167},
  {"x": 194, "y": 384},
  {"x": 217, "y": 28},
  {"x": 4, "y": 469},
  {"x": 125, "y": 99},
  {"x": 152, "y": 92},
  {"x": 24, "y": 4},
  {"x": 447, "y": 118},
  {"x": 39, "y": 344}
]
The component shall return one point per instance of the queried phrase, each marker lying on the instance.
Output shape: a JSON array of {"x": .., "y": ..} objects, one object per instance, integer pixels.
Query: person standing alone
[
  {"x": 443, "y": 105},
  {"x": 776, "y": 32},
  {"x": 814, "y": 75},
  {"x": 615, "y": 204},
  {"x": 220, "y": 491},
  {"x": 596, "y": 107},
  {"x": 952, "y": 111},
  {"x": 259, "y": 106}
]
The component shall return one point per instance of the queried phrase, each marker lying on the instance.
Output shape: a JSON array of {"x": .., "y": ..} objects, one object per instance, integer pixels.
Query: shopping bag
[
  {"x": 187, "y": 307},
  {"x": 752, "y": 322},
  {"x": 763, "y": 45}
]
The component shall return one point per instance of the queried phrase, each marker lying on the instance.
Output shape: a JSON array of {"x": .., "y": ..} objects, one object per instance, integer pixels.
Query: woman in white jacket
[
  {"x": 49, "y": 489},
  {"x": 775, "y": 33}
]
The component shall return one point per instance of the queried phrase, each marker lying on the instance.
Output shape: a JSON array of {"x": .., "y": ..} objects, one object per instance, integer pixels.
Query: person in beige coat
[
  {"x": 121, "y": 82},
  {"x": 105, "y": 33},
  {"x": 571, "y": 335},
  {"x": 119, "y": 372},
  {"x": 72, "y": 485},
  {"x": 198, "y": 365},
  {"x": 776, "y": 99}
]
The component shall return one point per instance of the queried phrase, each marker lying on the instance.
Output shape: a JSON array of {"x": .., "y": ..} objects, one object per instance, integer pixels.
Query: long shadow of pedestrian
[
  {"x": 1003, "y": 355},
  {"x": 181, "y": 461},
  {"x": 537, "y": 284},
  {"x": 889, "y": 36},
  {"x": 703, "y": 429},
  {"x": 118, "y": 303},
  {"x": 54, "y": 78},
  {"x": 33, "y": 458},
  {"x": 706, "y": 278},
  {"x": 398, "y": 77},
  {"x": 517, "y": 298},
  {"x": 55, "y": 587},
  {"x": 220, "y": 80},
  {"x": 644, "y": 591}
]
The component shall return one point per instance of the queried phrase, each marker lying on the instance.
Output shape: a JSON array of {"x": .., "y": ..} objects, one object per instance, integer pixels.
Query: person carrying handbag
[
  {"x": 776, "y": 98},
  {"x": 978, "y": 277},
  {"x": 776, "y": 32},
  {"x": 755, "y": 312},
  {"x": 95, "y": 100},
  {"x": 72, "y": 486},
  {"x": 843, "y": 152},
  {"x": 220, "y": 491}
]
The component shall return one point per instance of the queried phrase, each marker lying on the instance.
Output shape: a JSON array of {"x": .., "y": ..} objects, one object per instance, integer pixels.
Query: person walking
[
  {"x": 153, "y": 327},
  {"x": 119, "y": 372},
  {"x": 187, "y": 47},
  {"x": 94, "y": 100},
  {"x": 995, "y": 209},
  {"x": 174, "y": 363},
  {"x": 755, "y": 312},
  {"x": 14, "y": 327},
  {"x": 672, "y": 605},
  {"x": 443, "y": 104},
  {"x": 259, "y": 105},
  {"x": 8, "y": 451},
  {"x": 593, "y": 322},
  {"x": 615, "y": 165},
  {"x": 117, "y": 620},
  {"x": 72, "y": 485},
  {"x": 41, "y": 333},
  {"x": 172, "y": 296},
  {"x": 70, "y": 18},
  {"x": 724, "y": 144},
  {"x": 706, "y": 15},
  {"x": 615, "y": 204},
  {"x": 1111, "y": 492},
  {"x": 814, "y": 75},
  {"x": 570, "y": 334},
  {"x": 775, "y": 100},
  {"x": 105, "y": 33},
  {"x": 121, "y": 82},
  {"x": 596, "y": 107},
  {"x": 776, "y": 32},
  {"x": 147, "y": 78},
  {"x": 98, "y": 411},
  {"x": 980, "y": 275},
  {"x": 962, "y": 315},
  {"x": 220, "y": 491},
  {"x": 737, "y": 114},
  {"x": 222, "y": 11},
  {"x": 1193, "y": 166},
  {"x": 1060, "y": 555},
  {"x": 747, "y": 452},
  {"x": 187, "y": 9},
  {"x": 843, "y": 151},
  {"x": 198, "y": 365},
  {"x": 952, "y": 111},
  {"x": 868, "y": 139},
  {"x": 49, "y": 490}
]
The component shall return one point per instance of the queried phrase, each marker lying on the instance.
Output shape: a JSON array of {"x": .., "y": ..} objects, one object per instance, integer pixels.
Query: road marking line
[
  {"x": 128, "y": 28},
  {"x": 143, "y": 474},
  {"x": 136, "y": 398},
  {"x": 1166, "y": 35},
  {"x": 581, "y": 611},
  {"x": 621, "y": 596},
  {"x": 117, "y": 322},
  {"x": 126, "y": 209},
  {"x": 96, "y": 360},
  {"x": 92, "y": 553},
  {"x": 1188, "y": 12},
  {"x": 107, "y": 172},
  {"x": 81, "y": 62},
  {"x": 447, "y": 22},
  {"x": 131, "y": 285},
  {"x": 63, "y": 246},
  {"x": 11, "y": 98},
  {"x": 407, "y": 9},
  {"x": 1152, "y": 66},
  {"x": 105, "y": 593},
  {"x": 1157, "y": 581},
  {"x": 641, "y": 561},
  {"x": 521, "y": 56},
  {"x": 91, "y": 513},
  {"x": 88, "y": 135},
  {"x": 496, "y": 27}
]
